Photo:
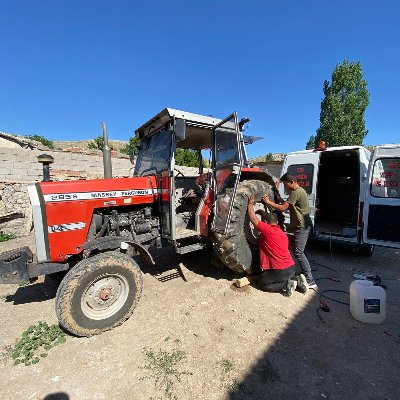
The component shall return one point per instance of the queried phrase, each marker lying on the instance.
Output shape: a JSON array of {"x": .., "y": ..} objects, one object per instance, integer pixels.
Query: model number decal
[
  {"x": 66, "y": 227},
  {"x": 49, "y": 198},
  {"x": 62, "y": 197}
]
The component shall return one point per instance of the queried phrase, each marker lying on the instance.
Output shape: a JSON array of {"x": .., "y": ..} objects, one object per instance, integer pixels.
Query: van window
[
  {"x": 386, "y": 178},
  {"x": 304, "y": 174}
]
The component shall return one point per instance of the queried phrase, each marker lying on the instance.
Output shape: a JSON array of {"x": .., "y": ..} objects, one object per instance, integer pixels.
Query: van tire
[{"x": 235, "y": 248}]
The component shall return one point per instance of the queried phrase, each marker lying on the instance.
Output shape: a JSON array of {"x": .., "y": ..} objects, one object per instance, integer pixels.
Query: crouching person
[{"x": 276, "y": 262}]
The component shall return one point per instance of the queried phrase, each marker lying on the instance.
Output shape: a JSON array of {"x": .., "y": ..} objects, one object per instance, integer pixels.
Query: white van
[{"x": 354, "y": 195}]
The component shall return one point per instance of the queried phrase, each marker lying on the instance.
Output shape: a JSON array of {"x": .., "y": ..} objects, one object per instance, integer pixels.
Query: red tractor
[{"x": 87, "y": 231}]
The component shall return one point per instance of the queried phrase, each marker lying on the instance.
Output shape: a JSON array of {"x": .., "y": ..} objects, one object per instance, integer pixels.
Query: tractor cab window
[
  {"x": 227, "y": 147},
  {"x": 154, "y": 154}
]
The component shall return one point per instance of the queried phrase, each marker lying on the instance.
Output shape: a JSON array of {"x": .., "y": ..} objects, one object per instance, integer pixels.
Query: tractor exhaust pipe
[
  {"x": 46, "y": 160},
  {"x": 106, "y": 154}
]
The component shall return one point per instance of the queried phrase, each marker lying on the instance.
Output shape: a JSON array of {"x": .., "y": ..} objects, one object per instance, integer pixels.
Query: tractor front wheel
[{"x": 98, "y": 294}]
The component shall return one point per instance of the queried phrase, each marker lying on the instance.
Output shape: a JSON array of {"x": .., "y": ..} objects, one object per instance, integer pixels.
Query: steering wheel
[{"x": 179, "y": 173}]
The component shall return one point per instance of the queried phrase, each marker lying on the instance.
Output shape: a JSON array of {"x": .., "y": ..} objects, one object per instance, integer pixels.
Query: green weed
[
  {"x": 235, "y": 384},
  {"x": 281, "y": 314},
  {"x": 6, "y": 236},
  {"x": 228, "y": 366},
  {"x": 35, "y": 341},
  {"x": 164, "y": 370}
]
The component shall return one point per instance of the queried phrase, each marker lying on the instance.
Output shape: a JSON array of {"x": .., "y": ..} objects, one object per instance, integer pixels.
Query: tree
[
  {"x": 98, "y": 143},
  {"x": 42, "y": 140},
  {"x": 342, "y": 110},
  {"x": 133, "y": 143},
  {"x": 269, "y": 157},
  {"x": 189, "y": 158}
]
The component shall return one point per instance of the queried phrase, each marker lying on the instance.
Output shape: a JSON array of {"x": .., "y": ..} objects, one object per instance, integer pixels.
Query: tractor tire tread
[{"x": 73, "y": 279}]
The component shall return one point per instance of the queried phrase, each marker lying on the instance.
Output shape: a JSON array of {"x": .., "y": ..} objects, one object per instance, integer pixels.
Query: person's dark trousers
[
  {"x": 299, "y": 243},
  {"x": 275, "y": 280}
]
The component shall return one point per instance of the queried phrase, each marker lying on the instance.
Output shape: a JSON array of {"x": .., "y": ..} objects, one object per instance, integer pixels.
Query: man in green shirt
[{"x": 300, "y": 220}]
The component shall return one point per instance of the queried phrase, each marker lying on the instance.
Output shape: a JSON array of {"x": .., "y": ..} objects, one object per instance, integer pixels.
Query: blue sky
[{"x": 66, "y": 66}]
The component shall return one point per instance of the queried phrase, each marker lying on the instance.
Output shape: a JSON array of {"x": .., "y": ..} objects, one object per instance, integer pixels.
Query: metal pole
[{"x": 106, "y": 154}]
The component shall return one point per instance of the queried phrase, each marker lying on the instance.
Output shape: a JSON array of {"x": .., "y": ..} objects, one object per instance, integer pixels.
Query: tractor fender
[
  {"x": 142, "y": 251},
  {"x": 113, "y": 242},
  {"x": 258, "y": 175}
]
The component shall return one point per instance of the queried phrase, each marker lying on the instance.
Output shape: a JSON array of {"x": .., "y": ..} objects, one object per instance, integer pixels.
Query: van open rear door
[
  {"x": 305, "y": 167},
  {"x": 382, "y": 200}
]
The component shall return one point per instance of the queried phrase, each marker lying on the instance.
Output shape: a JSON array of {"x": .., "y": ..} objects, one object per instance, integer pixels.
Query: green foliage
[
  {"x": 36, "y": 339},
  {"x": 42, "y": 140},
  {"x": 342, "y": 110},
  {"x": 188, "y": 158},
  {"x": 98, "y": 143},
  {"x": 311, "y": 143},
  {"x": 228, "y": 366},
  {"x": 133, "y": 143},
  {"x": 6, "y": 236},
  {"x": 163, "y": 368},
  {"x": 269, "y": 157}
]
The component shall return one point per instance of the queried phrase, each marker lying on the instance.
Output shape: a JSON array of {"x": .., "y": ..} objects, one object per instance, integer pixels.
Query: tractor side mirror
[{"x": 180, "y": 130}]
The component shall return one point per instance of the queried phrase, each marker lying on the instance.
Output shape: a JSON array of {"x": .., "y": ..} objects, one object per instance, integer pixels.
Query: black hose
[{"x": 104, "y": 227}]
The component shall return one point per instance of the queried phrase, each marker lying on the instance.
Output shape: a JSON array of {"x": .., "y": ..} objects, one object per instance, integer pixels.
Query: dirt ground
[{"x": 193, "y": 336}]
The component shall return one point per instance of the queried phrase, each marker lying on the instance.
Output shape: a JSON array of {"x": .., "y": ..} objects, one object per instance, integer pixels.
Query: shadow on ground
[
  {"x": 340, "y": 358},
  {"x": 34, "y": 293}
]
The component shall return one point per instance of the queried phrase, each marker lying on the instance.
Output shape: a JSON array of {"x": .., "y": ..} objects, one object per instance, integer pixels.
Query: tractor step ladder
[{"x": 182, "y": 248}]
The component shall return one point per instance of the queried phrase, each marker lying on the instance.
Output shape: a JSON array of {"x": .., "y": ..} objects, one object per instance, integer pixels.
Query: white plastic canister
[{"x": 367, "y": 302}]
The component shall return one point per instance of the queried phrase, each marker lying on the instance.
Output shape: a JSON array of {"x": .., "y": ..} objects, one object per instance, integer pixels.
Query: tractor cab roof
[{"x": 198, "y": 128}]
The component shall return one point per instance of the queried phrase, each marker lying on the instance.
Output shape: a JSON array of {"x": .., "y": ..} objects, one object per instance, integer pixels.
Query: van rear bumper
[{"x": 335, "y": 239}]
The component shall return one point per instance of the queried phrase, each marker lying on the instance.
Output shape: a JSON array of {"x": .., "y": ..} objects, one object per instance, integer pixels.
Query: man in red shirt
[{"x": 275, "y": 259}]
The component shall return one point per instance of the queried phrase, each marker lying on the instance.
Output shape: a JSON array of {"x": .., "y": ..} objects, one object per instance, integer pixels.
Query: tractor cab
[{"x": 186, "y": 202}]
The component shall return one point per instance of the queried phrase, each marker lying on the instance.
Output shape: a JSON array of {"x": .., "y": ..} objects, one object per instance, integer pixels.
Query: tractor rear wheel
[
  {"x": 238, "y": 248},
  {"x": 98, "y": 294}
]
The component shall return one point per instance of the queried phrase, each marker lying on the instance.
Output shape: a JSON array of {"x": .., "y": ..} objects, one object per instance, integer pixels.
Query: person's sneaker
[
  {"x": 311, "y": 284},
  {"x": 302, "y": 285},
  {"x": 290, "y": 287}
]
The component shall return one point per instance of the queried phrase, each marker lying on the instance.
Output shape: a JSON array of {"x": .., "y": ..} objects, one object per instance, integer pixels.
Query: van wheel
[
  {"x": 367, "y": 250},
  {"x": 238, "y": 248},
  {"x": 98, "y": 294}
]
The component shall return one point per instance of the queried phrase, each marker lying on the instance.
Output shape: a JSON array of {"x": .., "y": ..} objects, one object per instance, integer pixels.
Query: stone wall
[
  {"x": 15, "y": 209},
  {"x": 21, "y": 165}
]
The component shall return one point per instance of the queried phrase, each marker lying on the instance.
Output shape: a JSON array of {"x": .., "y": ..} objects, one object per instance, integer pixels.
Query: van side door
[
  {"x": 305, "y": 167},
  {"x": 382, "y": 198}
]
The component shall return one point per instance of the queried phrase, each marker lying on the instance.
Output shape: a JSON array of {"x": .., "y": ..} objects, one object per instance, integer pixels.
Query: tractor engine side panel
[{"x": 69, "y": 207}]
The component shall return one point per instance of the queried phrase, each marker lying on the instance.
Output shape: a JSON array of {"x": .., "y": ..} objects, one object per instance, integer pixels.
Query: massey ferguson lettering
[
  {"x": 101, "y": 195},
  {"x": 137, "y": 192},
  {"x": 49, "y": 198}
]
